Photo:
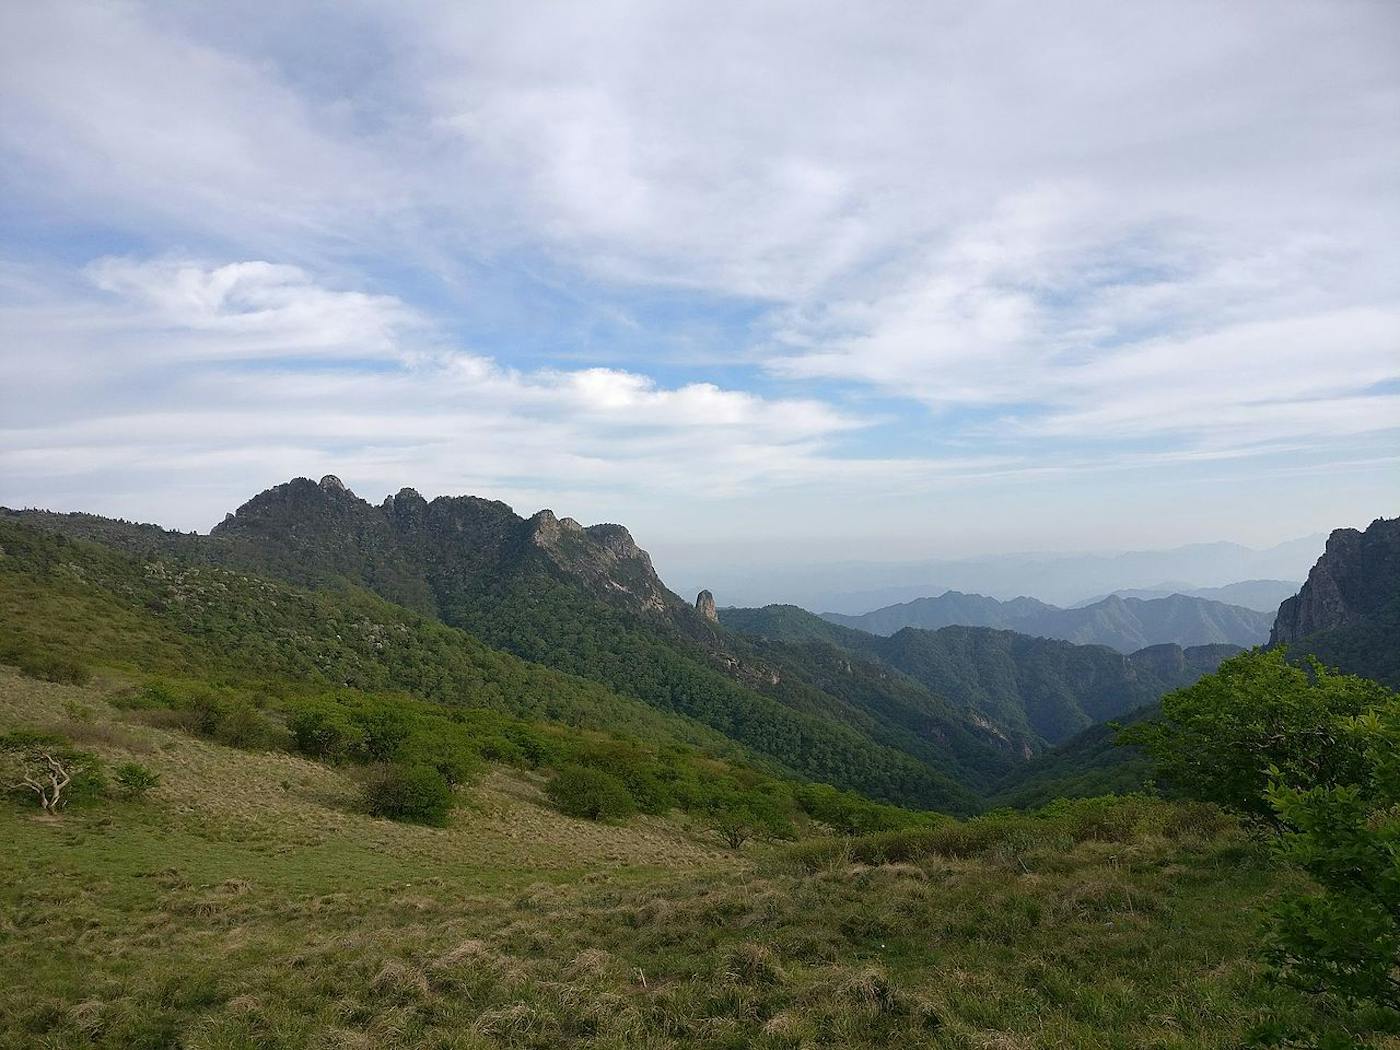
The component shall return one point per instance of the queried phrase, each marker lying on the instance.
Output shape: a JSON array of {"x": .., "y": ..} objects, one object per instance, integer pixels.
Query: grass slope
[{"x": 245, "y": 904}]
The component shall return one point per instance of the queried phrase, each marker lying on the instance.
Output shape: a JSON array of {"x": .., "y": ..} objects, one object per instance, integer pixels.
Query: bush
[
  {"x": 456, "y": 763},
  {"x": 384, "y": 730},
  {"x": 1343, "y": 936},
  {"x": 414, "y": 793},
  {"x": 51, "y": 667},
  {"x": 240, "y": 725},
  {"x": 1218, "y": 740},
  {"x": 323, "y": 734},
  {"x": 136, "y": 779},
  {"x": 580, "y": 791}
]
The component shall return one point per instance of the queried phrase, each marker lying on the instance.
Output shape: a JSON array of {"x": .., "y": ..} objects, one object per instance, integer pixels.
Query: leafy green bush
[
  {"x": 1343, "y": 938},
  {"x": 1218, "y": 739},
  {"x": 240, "y": 725},
  {"x": 136, "y": 779},
  {"x": 850, "y": 814},
  {"x": 457, "y": 764},
  {"x": 323, "y": 733},
  {"x": 383, "y": 731},
  {"x": 580, "y": 791},
  {"x": 1316, "y": 755},
  {"x": 414, "y": 793}
]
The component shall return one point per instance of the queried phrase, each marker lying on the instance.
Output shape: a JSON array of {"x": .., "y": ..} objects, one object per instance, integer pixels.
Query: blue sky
[{"x": 779, "y": 281}]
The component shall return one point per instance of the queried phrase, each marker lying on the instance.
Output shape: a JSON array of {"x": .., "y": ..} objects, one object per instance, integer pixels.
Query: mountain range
[
  {"x": 1041, "y": 690},
  {"x": 1125, "y": 624},
  {"x": 856, "y": 585},
  {"x": 461, "y": 600},
  {"x": 1259, "y": 595},
  {"x": 931, "y": 719}
]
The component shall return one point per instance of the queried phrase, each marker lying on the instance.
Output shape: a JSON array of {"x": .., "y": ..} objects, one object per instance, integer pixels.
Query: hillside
[
  {"x": 1088, "y": 764},
  {"x": 248, "y": 902},
  {"x": 1348, "y": 612},
  {"x": 587, "y": 602},
  {"x": 1040, "y": 690},
  {"x": 1125, "y": 624}
]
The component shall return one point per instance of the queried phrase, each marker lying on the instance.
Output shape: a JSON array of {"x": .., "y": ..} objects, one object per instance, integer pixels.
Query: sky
[{"x": 780, "y": 282}]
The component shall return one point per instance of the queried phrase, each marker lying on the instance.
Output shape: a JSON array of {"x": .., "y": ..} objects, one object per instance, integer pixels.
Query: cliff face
[
  {"x": 1356, "y": 581},
  {"x": 1348, "y": 613}
]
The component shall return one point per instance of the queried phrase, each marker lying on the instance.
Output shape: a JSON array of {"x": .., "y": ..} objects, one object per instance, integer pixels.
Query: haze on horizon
[{"x": 784, "y": 285}]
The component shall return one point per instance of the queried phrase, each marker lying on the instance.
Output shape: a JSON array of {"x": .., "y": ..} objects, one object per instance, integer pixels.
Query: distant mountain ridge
[
  {"x": 1063, "y": 579},
  {"x": 1044, "y": 689},
  {"x": 1125, "y": 624},
  {"x": 1259, "y": 595}
]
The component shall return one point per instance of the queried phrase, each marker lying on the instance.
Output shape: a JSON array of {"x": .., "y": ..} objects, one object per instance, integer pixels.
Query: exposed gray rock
[
  {"x": 1351, "y": 583},
  {"x": 705, "y": 606}
]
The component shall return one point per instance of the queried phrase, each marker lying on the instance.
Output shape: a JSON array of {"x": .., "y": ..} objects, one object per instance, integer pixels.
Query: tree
[
  {"x": 45, "y": 764},
  {"x": 136, "y": 779},
  {"x": 1258, "y": 719},
  {"x": 580, "y": 791},
  {"x": 735, "y": 826},
  {"x": 1315, "y": 755}
]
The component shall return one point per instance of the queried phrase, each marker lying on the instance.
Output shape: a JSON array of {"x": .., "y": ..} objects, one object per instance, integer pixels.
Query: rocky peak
[
  {"x": 332, "y": 484},
  {"x": 605, "y": 556},
  {"x": 1357, "y": 576},
  {"x": 406, "y": 507},
  {"x": 705, "y": 606}
]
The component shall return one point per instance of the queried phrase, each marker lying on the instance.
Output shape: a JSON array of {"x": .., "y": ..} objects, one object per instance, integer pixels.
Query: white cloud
[
  {"x": 212, "y": 368},
  {"x": 1159, "y": 229}
]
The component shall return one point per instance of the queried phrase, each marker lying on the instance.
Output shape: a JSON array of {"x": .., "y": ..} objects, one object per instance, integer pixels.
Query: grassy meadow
[{"x": 246, "y": 903}]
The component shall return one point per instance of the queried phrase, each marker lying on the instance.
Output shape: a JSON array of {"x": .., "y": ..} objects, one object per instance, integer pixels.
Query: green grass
[{"x": 246, "y": 903}]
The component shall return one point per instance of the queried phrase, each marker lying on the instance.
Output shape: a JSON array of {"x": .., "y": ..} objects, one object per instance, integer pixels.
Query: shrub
[
  {"x": 241, "y": 725},
  {"x": 323, "y": 734},
  {"x": 136, "y": 779},
  {"x": 1217, "y": 740},
  {"x": 51, "y": 667},
  {"x": 384, "y": 730},
  {"x": 456, "y": 763},
  {"x": 414, "y": 792},
  {"x": 1343, "y": 936},
  {"x": 580, "y": 791}
]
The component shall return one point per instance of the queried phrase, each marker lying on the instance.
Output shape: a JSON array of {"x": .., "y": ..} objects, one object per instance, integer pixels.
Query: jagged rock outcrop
[
  {"x": 705, "y": 606},
  {"x": 421, "y": 553},
  {"x": 1356, "y": 575},
  {"x": 1348, "y": 612}
]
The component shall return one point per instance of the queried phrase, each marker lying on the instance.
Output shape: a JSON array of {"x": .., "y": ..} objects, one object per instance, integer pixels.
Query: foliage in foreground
[
  {"x": 1314, "y": 755},
  {"x": 1258, "y": 720}
]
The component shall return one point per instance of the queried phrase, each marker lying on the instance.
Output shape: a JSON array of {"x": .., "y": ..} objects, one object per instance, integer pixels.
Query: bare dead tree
[{"x": 48, "y": 784}]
